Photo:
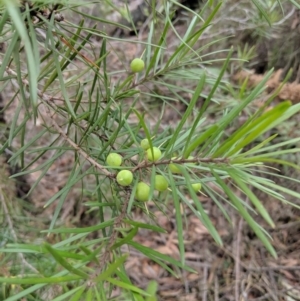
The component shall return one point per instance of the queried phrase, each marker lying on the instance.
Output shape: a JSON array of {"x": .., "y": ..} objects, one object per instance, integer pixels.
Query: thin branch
[
  {"x": 49, "y": 100},
  {"x": 80, "y": 150},
  {"x": 105, "y": 256},
  {"x": 146, "y": 164}
]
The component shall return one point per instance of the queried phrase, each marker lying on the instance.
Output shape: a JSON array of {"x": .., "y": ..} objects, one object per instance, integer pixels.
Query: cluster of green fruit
[
  {"x": 154, "y": 154},
  {"x": 125, "y": 177}
]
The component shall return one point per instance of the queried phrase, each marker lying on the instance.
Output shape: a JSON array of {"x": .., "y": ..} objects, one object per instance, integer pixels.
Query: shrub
[{"x": 67, "y": 98}]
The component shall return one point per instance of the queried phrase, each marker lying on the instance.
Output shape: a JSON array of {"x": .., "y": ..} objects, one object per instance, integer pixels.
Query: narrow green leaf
[
  {"x": 28, "y": 144},
  {"x": 3, "y": 20},
  {"x": 70, "y": 53},
  {"x": 8, "y": 53},
  {"x": 186, "y": 114},
  {"x": 145, "y": 226},
  {"x": 152, "y": 289},
  {"x": 101, "y": 20},
  {"x": 61, "y": 78},
  {"x": 64, "y": 263},
  {"x": 244, "y": 213},
  {"x": 123, "y": 276},
  {"x": 92, "y": 256},
  {"x": 295, "y": 3},
  {"x": 227, "y": 119},
  {"x": 199, "y": 140},
  {"x": 127, "y": 286},
  {"x": 78, "y": 295},
  {"x": 90, "y": 295},
  {"x": 187, "y": 45},
  {"x": 262, "y": 11},
  {"x": 204, "y": 217},
  {"x": 127, "y": 238},
  {"x": 285, "y": 190},
  {"x": 261, "y": 126},
  {"x": 144, "y": 126},
  {"x": 111, "y": 268},
  {"x": 150, "y": 252},
  {"x": 178, "y": 217},
  {"x": 255, "y": 201},
  {"x": 14, "y": 122},
  {"x": 156, "y": 56},
  {"x": 69, "y": 294},
  {"x": 259, "y": 147},
  {"x": 32, "y": 62},
  {"x": 72, "y": 180}
]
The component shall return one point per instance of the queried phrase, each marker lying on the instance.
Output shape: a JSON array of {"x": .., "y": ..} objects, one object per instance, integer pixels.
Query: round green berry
[
  {"x": 137, "y": 65},
  {"x": 155, "y": 156},
  {"x": 124, "y": 177},
  {"x": 142, "y": 192},
  {"x": 145, "y": 144},
  {"x": 114, "y": 159},
  {"x": 173, "y": 167},
  {"x": 160, "y": 183},
  {"x": 197, "y": 187}
]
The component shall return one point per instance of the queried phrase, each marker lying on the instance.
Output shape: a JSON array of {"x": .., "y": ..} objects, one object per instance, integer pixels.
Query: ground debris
[{"x": 288, "y": 91}]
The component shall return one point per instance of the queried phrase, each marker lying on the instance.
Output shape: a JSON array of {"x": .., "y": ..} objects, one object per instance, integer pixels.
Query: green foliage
[{"x": 88, "y": 111}]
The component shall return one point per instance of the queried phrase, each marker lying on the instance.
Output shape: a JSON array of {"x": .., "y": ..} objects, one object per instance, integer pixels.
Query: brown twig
[
  {"x": 105, "y": 256},
  {"x": 48, "y": 99},
  {"x": 146, "y": 164},
  {"x": 80, "y": 150}
]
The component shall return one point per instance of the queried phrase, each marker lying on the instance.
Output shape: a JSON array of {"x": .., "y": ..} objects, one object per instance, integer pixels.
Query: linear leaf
[
  {"x": 64, "y": 263},
  {"x": 204, "y": 217},
  {"x": 127, "y": 238},
  {"x": 145, "y": 226},
  {"x": 255, "y": 201},
  {"x": 178, "y": 217},
  {"x": 127, "y": 286},
  {"x": 186, "y": 114},
  {"x": 150, "y": 252},
  {"x": 111, "y": 268},
  {"x": 257, "y": 230}
]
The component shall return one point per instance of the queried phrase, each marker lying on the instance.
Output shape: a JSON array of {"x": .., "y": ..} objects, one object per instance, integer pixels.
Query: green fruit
[
  {"x": 155, "y": 156},
  {"x": 137, "y": 65},
  {"x": 160, "y": 183},
  {"x": 173, "y": 167},
  {"x": 145, "y": 144},
  {"x": 197, "y": 187},
  {"x": 124, "y": 177},
  {"x": 114, "y": 159},
  {"x": 142, "y": 192}
]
